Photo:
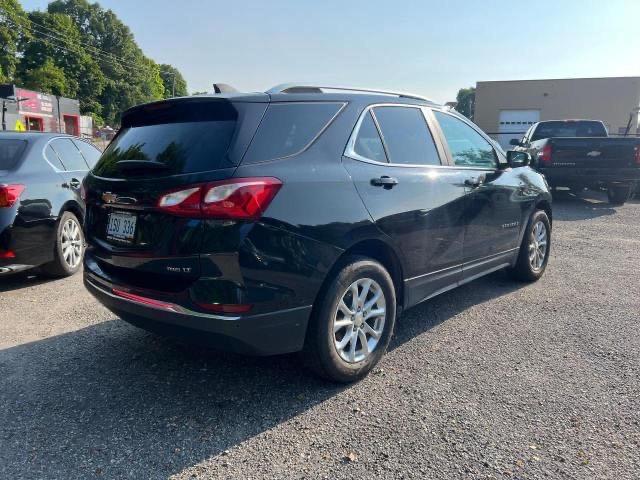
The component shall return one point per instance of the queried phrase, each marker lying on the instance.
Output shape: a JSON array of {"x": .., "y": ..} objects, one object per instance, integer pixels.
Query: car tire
[
  {"x": 334, "y": 334},
  {"x": 618, "y": 195},
  {"x": 68, "y": 249},
  {"x": 534, "y": 249}
]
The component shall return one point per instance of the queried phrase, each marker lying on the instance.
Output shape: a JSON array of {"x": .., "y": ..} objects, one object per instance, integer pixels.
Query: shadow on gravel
[
  {"x": 22, "y": 280},
  {"x": 582, "y": 206},
  {"x": 427, "y": 315},
  {"x": 109, "y": 400}
]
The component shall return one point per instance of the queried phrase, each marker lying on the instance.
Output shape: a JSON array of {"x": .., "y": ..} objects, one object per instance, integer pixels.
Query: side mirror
[
  {"x": 518, "y": 159},
  {"x": 515, "y": 142}
]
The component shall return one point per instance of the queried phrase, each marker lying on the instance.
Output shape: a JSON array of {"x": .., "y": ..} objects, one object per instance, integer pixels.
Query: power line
[{"x": 67, "y": 43}]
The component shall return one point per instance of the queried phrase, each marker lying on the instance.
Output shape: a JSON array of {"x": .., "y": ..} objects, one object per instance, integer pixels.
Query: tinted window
[
  {"x": 69, "y": 154},
  {"x": 368, "y": 143},
  {"x": 10, "y": 153},
  {"x": 90, "y": 153},
  {"x": 185, "y": 137},
  {"x": 53, "y": 158},
  {"x": 406, "y": 136},
  {"x": 569, "y": 129},
  {"x": 467, "y": 146},
  {"x": 288, "y": 128}
]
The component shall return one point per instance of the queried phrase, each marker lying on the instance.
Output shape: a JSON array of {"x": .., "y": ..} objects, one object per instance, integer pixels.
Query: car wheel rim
[
  {"x": 71, "y": 242},
  {"x": 538, "y": 246},
  {"x": 358, "y": 322}
]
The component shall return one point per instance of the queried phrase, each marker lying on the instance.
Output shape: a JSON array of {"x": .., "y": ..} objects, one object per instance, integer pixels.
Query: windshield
[
  {"x": 10, "y": 153},
  {"x": 569, "y": 128}
]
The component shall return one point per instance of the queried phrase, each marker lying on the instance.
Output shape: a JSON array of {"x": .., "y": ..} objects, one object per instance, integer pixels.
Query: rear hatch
[
  {"x": 588, "y": 152},
  {"x": 161, "y": 148}
]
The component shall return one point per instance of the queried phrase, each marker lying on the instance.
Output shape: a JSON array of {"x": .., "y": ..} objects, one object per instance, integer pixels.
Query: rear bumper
[
  {"x": 562, "y": 177},
  {"x": 272, "y": 333}
]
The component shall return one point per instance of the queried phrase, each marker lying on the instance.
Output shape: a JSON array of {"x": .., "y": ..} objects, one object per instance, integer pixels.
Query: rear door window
[
  {"x": 52, "y": 157},
  {"x": 368, "y": 143},
  {"x": 11, "y": 153},
  {"x": 69, "y": 154},
  {"x": 569, "y": 128},
  {"x": 289, "y": 128},
  {"x": 406, "y": 136},
  {"x": 90, "y": 153}
]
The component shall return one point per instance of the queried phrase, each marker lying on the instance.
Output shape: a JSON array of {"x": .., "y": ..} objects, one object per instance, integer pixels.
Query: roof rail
[{"x": 309, "y": 88}]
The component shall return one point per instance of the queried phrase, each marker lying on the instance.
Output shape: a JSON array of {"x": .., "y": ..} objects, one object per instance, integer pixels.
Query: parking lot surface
[{"x": 492, "y": 380}]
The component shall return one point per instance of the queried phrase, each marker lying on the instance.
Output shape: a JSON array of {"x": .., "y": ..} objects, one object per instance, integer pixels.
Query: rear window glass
[
  {"x": 69, "y": 155},
  {"x": 52, "y": 157},
  {"x": 368, "y": 143},
  {"x": 569, "y": 129},
  {"x": 10, "y": 153},
  {"x": 288, "y": 128},
  {"x": 185, "y": 138}
]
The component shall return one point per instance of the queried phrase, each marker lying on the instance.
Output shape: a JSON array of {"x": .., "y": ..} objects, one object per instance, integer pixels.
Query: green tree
[
  {"x": 466, "y": 99},
  {"x": 12, "y": 18},
  {"x": 64, "y": 50},
  {"x": 174, "y": 83},
  {"x": 47, "y": 78},
  {"x": 131, "y": 77}
]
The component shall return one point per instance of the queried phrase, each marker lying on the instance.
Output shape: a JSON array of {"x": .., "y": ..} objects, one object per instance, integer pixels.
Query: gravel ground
[{"x": 492, "y": 380}]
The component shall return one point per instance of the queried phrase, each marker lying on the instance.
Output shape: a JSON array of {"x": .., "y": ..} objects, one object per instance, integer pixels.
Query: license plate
[{"x": 121, "y": 226}]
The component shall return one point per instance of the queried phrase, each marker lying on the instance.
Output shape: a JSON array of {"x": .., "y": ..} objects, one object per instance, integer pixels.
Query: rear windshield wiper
[{"x": 125, "y": 165}]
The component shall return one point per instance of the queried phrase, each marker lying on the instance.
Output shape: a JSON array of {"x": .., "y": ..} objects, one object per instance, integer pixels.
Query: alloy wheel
[
  {"x": 359, "y": 319},
  {"x": 538, "y": 246},
  {"x": 71, "y": 243}
]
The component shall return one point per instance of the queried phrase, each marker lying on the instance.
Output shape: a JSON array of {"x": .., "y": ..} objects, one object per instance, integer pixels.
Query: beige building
[{"x": 506, "y": 109}]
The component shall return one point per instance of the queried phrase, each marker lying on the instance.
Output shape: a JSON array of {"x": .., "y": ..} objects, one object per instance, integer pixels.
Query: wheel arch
[
  {"x": 377, "y": 250},
  {"x": 544, "y": 204},
  {"x": 73, "y": 207}
]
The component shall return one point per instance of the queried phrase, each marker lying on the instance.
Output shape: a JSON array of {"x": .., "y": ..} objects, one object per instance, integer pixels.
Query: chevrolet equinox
[{"x": 303, "y": 219}]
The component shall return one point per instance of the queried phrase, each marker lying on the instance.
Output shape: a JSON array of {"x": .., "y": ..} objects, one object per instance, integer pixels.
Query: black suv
[{"x": 303, "y": 218}]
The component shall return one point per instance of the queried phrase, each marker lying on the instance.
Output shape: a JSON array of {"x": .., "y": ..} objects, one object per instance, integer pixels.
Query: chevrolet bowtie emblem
[{"x": 108, "y": 197}]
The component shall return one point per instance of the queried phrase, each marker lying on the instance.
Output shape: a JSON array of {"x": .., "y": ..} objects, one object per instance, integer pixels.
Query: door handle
[
  {"x": 474, "y": 182},
  {"x": 384, "y": 181}
]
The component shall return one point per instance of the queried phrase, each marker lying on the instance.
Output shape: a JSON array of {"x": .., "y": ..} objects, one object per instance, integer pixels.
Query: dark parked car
[
  {"x": 41, "y": 211},
  {"x": 579, "y": 154},
  {"x": 303, "y": 218}
]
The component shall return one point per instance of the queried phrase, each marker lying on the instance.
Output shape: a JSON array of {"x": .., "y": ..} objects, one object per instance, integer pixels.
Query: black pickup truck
[{"x": 579, "y": 154}]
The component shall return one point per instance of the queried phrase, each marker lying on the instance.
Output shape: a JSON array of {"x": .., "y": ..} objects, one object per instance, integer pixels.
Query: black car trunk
[{"x": 161, "y": 148}]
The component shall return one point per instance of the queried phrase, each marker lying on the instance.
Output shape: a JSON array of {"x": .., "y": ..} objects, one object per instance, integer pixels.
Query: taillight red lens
[
  {"x": 9, "y": 194},
  {"x": 5, "y": 254},
  {"x": 236, "y": 199},
  {"x": 545, "y": 154}
]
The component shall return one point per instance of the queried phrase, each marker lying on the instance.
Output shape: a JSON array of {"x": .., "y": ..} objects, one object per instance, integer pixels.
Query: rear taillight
[
  {"x": 235, "y": 199},
  {"x": 6, "y": 254},
  {"x": 9, "y": 194},
  {"x": 636, "y": 155},
  {"x": 545, "y": 155}
]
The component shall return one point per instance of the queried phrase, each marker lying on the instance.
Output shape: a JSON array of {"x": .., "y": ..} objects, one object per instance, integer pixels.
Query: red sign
[{"x": 34, "y": 102}]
